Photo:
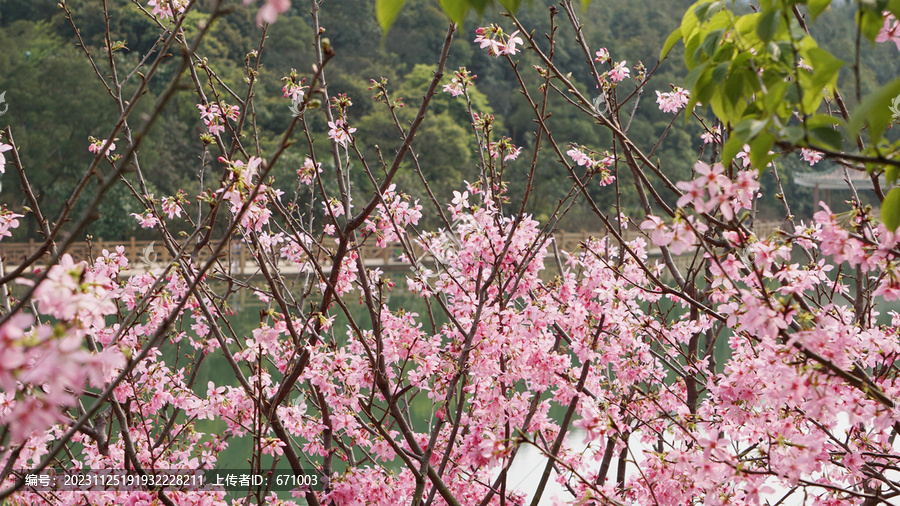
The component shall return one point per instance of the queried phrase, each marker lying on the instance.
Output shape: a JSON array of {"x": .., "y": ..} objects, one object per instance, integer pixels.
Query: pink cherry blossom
[
  {"x": 339, "y": 132},
  {"x": 214, "y": 117},
  {"x": 163, "y": 8},
  {"x": 505, "y": 148},
  {"x": 147, "y": 220},
  {"x": 97, "y": 144},
  {"x": 309, "y": 171},
  {"x": 484, "y": 39},
  {"x": 810, "y": 155},
  {"x": 660, "y": 233},
  {"x": 715, "y": 136},
  {"x": 579, "y": 157},
  {"x": 293, "y": 91},
  {"x": 744, "y": 156},
  {"x": 171, "y": 207},
  {"x": 496, "y": 41},
  {"x": 3, "y": 148},
  {"x": 269, "y": 12},
  {"x": 8, "y": 220},
  {"x": 454, "y": 88},
  {"x": 890, "y": 32},
  {"x": 511, "y": 42},
  {"x": 619, "y": 72},
  {"x": 702, "y": 358},
  {"x": 673, "y": 101}
]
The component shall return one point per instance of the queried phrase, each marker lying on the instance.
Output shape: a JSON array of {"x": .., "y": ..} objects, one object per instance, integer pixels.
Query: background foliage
[{"x": 52, "y": 92}]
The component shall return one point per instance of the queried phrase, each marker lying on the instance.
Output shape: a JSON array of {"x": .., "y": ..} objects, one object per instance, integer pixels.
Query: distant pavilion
[{"x": 835, "y": 180}]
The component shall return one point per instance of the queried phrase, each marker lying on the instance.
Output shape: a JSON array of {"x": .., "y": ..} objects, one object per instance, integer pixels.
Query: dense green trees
[{"x": 56, "y": 100}]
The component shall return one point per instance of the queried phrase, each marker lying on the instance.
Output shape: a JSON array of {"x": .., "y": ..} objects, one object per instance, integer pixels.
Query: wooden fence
[{"x": 237, "y": 255}]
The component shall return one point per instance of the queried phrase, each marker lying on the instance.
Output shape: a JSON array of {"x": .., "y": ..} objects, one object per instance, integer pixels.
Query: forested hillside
[{"x": 56, "y": 101}]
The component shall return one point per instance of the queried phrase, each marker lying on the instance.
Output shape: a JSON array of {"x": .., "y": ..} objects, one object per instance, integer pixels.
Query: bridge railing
[{"x": 139, "y": 252}]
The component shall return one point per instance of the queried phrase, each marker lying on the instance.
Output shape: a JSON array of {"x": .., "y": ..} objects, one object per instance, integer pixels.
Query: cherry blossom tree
[{"x": 601, "y": 357}]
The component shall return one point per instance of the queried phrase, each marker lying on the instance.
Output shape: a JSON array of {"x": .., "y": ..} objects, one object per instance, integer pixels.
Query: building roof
[{"x": 834, "y": 180}]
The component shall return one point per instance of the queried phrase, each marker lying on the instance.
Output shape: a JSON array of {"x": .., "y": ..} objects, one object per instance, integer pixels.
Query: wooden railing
[{"x": 137, "y": 252}]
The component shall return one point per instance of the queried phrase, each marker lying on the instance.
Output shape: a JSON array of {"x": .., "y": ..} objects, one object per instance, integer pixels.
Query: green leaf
[
  {"x": 701, "y": 10},
  {"x": 712, "y": 9},
  {"x": 894, "y": 7},
  {"x": 827, "y": 137},
  {"x": 746, "y": 26},
  {"x": 703, "y": 87},
  {"x": 731, "y": 148},
  {"x": 825, "y": 67},
  {"x": 711, "y": 42},
  {"x": 749, "y": 129},
  {"x": 817, "y": 7},
  {"x": 691, "y": 48},
  {"x": 820, "y": 120},
  {"x": 824, "y": 75},
  {"x": 870, "y": 22},
  {"x": 386, "y": 12},
  {"x": 672, "y": 39},
  {"x": 696, "y": 76},
  {"x": 875, "y": 111},
  {"x": 890, "y": 173},
  {"x": 481, "y": 5},
  {"x": 759, "y": 151},
  {"x": 792, "y": 134},
  {"x": 734, "y": 87},
  {"x": 513, "y": 5},
  {"x": 890, "y": 210},
  {"x": 457, "y": 9},
  {"x": 740, "y": 61},
  {"x": 690, "y": 21},
  {"x": 720, "y": 73},
  {"x": 768, "y": 25},
  {"x": 774, "y": 97}
]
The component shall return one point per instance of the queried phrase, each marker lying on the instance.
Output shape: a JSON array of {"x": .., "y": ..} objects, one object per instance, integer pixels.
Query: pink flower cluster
[
  {"x": 496, "y": 41},
  {"x": 147, "y": 219},
  {"x": 461, "y": 81},
  {"x": 309, "y": 171},
  {"x": 3, "y": 148},
  {"x": 890, "y": 32},
  {"x": 269, "y": 12},
  {"x": 214, "y": 117},
  {"x": 242, "y": 175},
  {"x": 505, "y": 148},
  {"x": 294, "y": 91},
  {"x": 674, "y": 100},
  {"x": 97, "y": 144},
  {"x": 713, "y": 189},
  {"x": 339, "y": 132},
  {"x": 393, "y": 216},
  {"x": 601, "y": 166},
  {"x": 812, "y": 156},
  {"x": 44, "y": 367},
  {"x": 768, "y": 418},
  {"x": 173, "y": 206},
  {"x": 8, "y": 220},
  {"x": 713, "y": 136},
  {"x": 680, "y": 236},
  {"x": 619, "y": 72},
  {"x": 163, "y": 8}
]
